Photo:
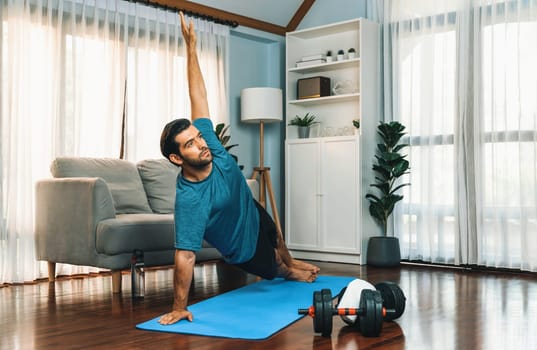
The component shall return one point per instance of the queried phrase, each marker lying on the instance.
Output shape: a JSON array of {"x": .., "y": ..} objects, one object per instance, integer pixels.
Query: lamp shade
[{"x": 261, "y": 104}]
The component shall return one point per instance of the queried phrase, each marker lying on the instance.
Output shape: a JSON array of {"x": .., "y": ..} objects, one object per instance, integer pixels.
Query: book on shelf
[
  {"x": 310, "y": 63},
  {"x": 313, "y": 57}
]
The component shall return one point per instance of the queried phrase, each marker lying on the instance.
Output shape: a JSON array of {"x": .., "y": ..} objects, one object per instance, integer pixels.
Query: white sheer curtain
[
  {"x": 507, "y": 124},
  {"x": 462, "y": 78},
  {"x": 156, "y": 78},
  {"x": 64, "y": 69}
]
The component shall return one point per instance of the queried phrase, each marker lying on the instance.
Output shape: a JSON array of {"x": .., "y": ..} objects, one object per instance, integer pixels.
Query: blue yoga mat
[{"x": 253, "y": 312}]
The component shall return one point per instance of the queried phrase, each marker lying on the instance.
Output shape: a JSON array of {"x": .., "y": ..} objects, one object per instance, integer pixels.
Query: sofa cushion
[
  {"x": 149, "y": 232},
  {"x": 159, "y": 177},
  {"x": 121, "y": 176}
]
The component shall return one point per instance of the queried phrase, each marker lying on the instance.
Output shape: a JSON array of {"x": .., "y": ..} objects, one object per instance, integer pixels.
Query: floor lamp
[{"x": 263, "y": 105}]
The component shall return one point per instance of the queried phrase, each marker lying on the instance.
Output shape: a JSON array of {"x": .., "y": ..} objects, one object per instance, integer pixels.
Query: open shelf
[
  {"x": 325, "y": 99},
  {"x": 326, "y": 67}
]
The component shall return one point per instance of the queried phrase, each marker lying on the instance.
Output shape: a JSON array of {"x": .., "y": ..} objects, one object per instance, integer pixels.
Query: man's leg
[
  {"x": 268, "y": 226},
  {"x": 293, "y": 273},
  {"x": 267, "y": 262},
  {"x": 283, "y": 252}
]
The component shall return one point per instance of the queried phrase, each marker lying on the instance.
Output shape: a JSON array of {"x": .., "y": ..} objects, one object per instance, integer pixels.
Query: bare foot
[
  {"x": 293, "y": 274},
  {"x": 283, "y": 252},
  {"x": 302, "y": 265}
]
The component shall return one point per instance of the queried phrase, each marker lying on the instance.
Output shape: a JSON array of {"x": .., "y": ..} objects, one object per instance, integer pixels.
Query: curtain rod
[{"x": 226, "y": 22}]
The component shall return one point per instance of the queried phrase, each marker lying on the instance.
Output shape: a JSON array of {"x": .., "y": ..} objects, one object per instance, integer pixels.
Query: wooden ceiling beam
[
  {"x": 299, "y": 15},
  {"x": 189, "y": 6}
]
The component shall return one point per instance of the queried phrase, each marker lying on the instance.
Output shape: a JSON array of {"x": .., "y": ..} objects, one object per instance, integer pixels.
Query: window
[
  {"x": 509, "y": 133},
  {"x": 427, "y": 105},
  {"x": 465, "y": 85}
]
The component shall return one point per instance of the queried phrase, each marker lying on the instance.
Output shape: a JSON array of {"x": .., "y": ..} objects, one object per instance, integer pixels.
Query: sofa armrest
[
  {"x": 67, "y": 213},
  {"x": 254, "y": 187}
]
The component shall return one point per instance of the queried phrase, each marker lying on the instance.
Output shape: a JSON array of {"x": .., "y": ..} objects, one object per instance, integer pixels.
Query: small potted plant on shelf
[
  {"x": 329, "y": 57},
  {"x": 351, "y": 53},
  {"x": 340, "y": 55},
  {"x": 356, "y": 123},
  {"x": 390, "y": 165},
  {"x": 303, "y": 123}
]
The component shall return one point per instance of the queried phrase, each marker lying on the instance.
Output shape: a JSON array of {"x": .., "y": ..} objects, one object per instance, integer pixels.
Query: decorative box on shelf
[{"x": 312, "y": 87}]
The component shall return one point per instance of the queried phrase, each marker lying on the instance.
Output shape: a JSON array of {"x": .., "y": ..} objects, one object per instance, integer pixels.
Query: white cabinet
[
  {"x": 322, "y": 203},
  {"x": 328, "y": 174},
  {"x": 302, "y": 173}
]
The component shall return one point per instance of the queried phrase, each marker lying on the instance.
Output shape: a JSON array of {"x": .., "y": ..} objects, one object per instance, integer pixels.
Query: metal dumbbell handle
[
  {"x": 352, "y": 311},
  {"x": 343, "y": 311},
  {"x": 310, "y": 311}
]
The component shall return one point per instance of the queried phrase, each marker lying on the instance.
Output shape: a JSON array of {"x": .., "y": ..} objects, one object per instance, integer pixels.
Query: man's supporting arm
[
  {"x": 196, "y": 86},
  {"x": 182, "y": 278}
]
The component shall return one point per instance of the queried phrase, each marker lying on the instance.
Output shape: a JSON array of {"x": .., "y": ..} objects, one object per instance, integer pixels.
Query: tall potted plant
[{"x": 389, "y": 166}]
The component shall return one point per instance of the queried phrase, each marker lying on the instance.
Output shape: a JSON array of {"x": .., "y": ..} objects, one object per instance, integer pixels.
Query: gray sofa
[{"x": 96, "y": 211}]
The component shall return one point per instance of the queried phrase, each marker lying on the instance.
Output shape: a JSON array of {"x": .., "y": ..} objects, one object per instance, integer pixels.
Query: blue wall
[{"x": 257, "y": 59}]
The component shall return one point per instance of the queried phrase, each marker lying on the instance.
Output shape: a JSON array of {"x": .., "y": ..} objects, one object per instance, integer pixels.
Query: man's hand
[
  {"x": 176, "y": 315},
  {"x": 188, "y": 32},
  {"x": 199, "y": 105},
  {"x": 182, "y": 278}
]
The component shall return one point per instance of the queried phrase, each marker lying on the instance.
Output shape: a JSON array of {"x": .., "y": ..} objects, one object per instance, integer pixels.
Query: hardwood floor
[{"x": 446, "y": 309}]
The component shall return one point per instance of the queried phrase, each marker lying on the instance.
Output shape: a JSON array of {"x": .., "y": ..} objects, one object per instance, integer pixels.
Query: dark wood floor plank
[{"x": 446, "y": 309}]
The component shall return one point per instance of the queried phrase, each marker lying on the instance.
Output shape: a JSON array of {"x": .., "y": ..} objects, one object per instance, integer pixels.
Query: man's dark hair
[{"x": 167, "y": 138}]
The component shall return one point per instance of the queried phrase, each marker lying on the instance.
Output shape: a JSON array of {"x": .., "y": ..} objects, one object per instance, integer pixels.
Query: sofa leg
[
  {"x": 116, "y": 281},
  {"x": 51, "y": 271}
]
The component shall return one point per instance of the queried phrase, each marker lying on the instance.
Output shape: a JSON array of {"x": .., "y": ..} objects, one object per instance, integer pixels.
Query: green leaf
[
  {"x": 383, "y": 173},
  {"x": 383, "y": 187},
  {"x": 218, "y": 129},
  {"x": 225, "y": 139},
  {"x": 400, "y": 168},
  {"x": 390, "y": 202},
  {"x": 377, "y": 211},
  {"x": 307, "y": 120},
  {"x": 221, "y": 130},
  {"x": 398, "y": 187},
  {"x": 230, "y": 147},
  {"x": 390, "y": 157},
  {"x": 400, "y": 147}
]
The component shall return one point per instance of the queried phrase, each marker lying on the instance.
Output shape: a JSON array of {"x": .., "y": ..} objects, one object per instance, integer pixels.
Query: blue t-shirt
[{"x": 219, "y": 209}]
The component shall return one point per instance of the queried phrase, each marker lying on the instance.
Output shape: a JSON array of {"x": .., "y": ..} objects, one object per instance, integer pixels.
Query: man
[{"x": 214, "y": 202}]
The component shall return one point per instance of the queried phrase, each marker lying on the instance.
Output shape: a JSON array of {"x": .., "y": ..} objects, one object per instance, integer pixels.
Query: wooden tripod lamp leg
[
  {"x": 258, "y": 175},
  {"x": 272, "y": 199}
]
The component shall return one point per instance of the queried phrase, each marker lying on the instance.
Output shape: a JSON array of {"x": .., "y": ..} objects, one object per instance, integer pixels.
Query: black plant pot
[{"x": 383, "y": 251}]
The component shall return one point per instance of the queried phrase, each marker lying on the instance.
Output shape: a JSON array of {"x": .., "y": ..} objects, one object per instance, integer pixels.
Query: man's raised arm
[{"x": 196, "y": 86}]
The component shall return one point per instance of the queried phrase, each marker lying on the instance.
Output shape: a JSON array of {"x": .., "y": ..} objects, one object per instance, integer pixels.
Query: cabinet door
[
  {"x": 302, "y": 211},
  {"x": 340, "y": 202}
]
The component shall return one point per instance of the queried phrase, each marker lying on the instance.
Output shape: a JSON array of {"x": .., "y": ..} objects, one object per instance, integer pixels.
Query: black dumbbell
[
  {"x": 370, "y": 313},
  {"x": 392, "y": 298},
  {"x": 386, "y": 303}
]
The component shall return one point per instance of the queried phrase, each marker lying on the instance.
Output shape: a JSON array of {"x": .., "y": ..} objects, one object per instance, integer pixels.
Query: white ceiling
[{"x": 277, "y": 12}]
